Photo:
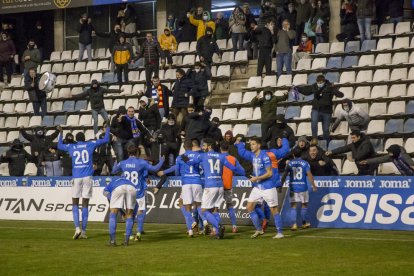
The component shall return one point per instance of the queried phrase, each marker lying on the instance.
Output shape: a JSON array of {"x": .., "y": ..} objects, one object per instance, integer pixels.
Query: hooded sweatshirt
[
  {"x": 202, "y": 25},
  {"x": 399, "y": 157},
  {"x": 17, "y": 158},
  {"x": 357, "y": 118},
  {"x": 96, "y": 95}
]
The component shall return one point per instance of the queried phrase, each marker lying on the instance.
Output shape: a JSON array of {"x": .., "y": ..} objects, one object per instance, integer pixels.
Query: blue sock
[
  {"x": 217, "y": 216},
  {"x": 211, "y": 218},
  {"x": 278, "y": 223},
  {"x": 266, "y": 211},
  {"x": 304, "y": 214},
  {"x": 85, "y": 215},
  {"x": 293, "y": 215},
  {"x": 200, "y": 213},
  {"x": 135, "y": 212},
  {"x": 194, "y": 214},
  {"x": 188, "y": 220},
  {"x": 129, "y": 223},
  {"x": 183, "y": 210},
  {"x": 259, "y": 212},
  {"x": 112, "y": 226},
  {"x": 75, "y": 213},
  {"x": 232, "y": 216},
  {"x": 256, "y": 222},
  {"x": 140, "y": 223}
]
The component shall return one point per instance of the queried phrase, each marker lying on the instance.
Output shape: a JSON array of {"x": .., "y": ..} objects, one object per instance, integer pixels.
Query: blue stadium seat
[
  {"x": 334, "y": 62},
  {"x": 378, "y": 144},
  {"x": 82, "y": 104},
  {"x": 336, "y": 144},
  {"x": 350, "y": 61},
  {"x": 312, "y": 78},
  {"x": 47, "y": 121},
  {"x": 352, "y": 46},
  {"x": 60, "y": 120},
  {"x": 332, "y": 77},
  {"x": 280, "y": 109},
  {"x": 254, "y": 130},
  {"x": 292, "y": 111},
  {"x": 409, "y": 126},
  {"x": 108, "y": 78},
  {"x": 368, "y": 45},
  {"x": 410, "y": 108},
  {"x": 68, "y": 106},
  {"x": 394, "y": 126},
  {"x": 322, "y": 144}
]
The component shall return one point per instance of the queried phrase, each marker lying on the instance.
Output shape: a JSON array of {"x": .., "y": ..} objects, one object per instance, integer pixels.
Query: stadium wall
[{"x": 340, "y": 202}]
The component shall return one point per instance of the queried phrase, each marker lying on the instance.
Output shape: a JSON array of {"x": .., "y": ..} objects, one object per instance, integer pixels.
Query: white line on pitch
[{"x": 353, "y": 238}]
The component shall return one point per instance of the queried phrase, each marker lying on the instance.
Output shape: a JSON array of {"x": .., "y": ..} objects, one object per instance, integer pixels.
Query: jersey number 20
[{"x": 81, "y": 157}]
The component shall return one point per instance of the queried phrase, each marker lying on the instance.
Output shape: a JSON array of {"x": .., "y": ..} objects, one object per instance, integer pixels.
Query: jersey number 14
[{"x": 214, "y": 166}]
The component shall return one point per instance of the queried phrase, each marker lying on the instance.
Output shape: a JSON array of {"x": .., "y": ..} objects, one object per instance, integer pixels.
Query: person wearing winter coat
[
  {"x": 113, "y": 36},
  {"x": 151, "y": 52},
  {"x": 122, "y": 56},
  {"x": 206, "y": 47},
  {"x": 7, "y": 52},
  {"x": 279, "y": 129},
  {"x": 320, "y": 21},
  {"x": 66, "y": 159},
  {"x": 267, "y": 39},
  {"x": 304, "y": 10},
  {"x": 168, "y": 44},
  {"x": 214, "y": 132},
  {"x": 36, "y": 96},
  {"x": 170, "y": 140},
  {"x": 197, "y": 125},
  {"x": 303, "y": 51},
  {"x": 85, "y": 30},
  {"x": 357, "y": 118},
  {"x": 148, "y": 114},
  {"x": 394, "y": 10},
  {"x": 237, "y": 25},
  {"x": 51, "y": 161},
  {"x": 320, "y": 164},
  {"x": 365, "y": 14},
  {"x": 222, "y": 27},
  {"x": 181, "y": 94},
  {"x": 349, "y": 26},
  {"x": 203, "y": 24},
  {"x": 200, "y": 92},
  {"x": 17, "y": 157},
  {"x": 31, "y": 57},
  {"x": 160, "y": 94},
  {"x": 398, "y": 156},
  {"x": 103, "y": 155},
  {"x": 284, "y": 41},
  {"x": 187, "y": 32}
]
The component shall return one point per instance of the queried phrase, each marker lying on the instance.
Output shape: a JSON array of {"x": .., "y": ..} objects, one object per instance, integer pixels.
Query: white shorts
[
  {"x": 141, "y": 203},
  {"x": 191, "y": 193},
  {"x": 302, "y": 197},
  {"x": 268, "y": 195},
  {"x": 212, "y": 198},
  {"x": 82, "y": 187},
  {"x": 228, "y": 197},
  {"x": 124, "y": 194}
]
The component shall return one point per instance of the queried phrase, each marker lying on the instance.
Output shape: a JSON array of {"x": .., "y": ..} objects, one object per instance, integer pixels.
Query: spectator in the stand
[
  {"x": 365, "y": 13},
  {"x": 289, "y": 14},
  {"x": 39, "y": 142},
  {"x": 268, "y": 105},
  {"x": 357, "y": 118},
  {"x": 31, "y": 57},
  {"x": 119, "y": 143},
  {"x": 39, "y": 36},
  {"x": 394, "y": 10},
  {"x": 51, "y": 161},
  {"x": 7, "y": 52},
  {"x": 122, "y": 56},
  {"x": 36, "y": 96},
  {"x": 206, "y": 47},
  {"x": 213, "y": 131},
  {"x": 397, "y": 155},
  {"x": 268, "y": 12},
  {"x": 168, "y": 44},
  {"x": 66, "y": 159},
  {"x": 181, "y": 94},
  {"x": 185, "y": 122},
  {"x": 349, "y": 26},
  {"x": 114, "y": 35},
  {"x": 171, "y": 24},
  {"x": 203, "y": 24},
  {"x": 187, "y": 31},
  {"x": 130, "y": 21},
  {"x": 303, "y": 145},
  {"x": 361, "y": 149},
  {"x": 85, "y": 30},
  {"x": 237, "y": 25},
  {"x": 228, "y": 137},
  {"x": 103, "y": 156},
  {"x": 304, "y": 49},
  {"x": 249, "y": 16},
  {"x": 200, "y": 92},
  {"x": 267, "y": 39},
  {"x": 320, "y": 164},
  {"x": 17, "y": 157},
  {"x": 170, "y": 139},
  {"x": 322, "y": 104},
  {"x": 304, "y": 10},
  {"x": 222, "y": 27},
  {"x": 197, "y": 125},
  {"x": 96, "y": 94},
  {"x": 284, "y": 41},
  {"x": 148, "y": 114},
  {"x": 199, "y": 13},
  {"x": 320, "y": 20},
  {"x": 160, "y": 94},
  {"x": 252, "y": 42},
  {"x": 279, "y": 129},
  {"x": 151, "y": 51}
]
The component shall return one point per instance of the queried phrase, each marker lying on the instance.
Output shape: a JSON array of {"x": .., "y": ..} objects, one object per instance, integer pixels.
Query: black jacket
[
  {"x": 66, "y": 159},
  {"x": 151, "y": 52},
  {"x": 123, "y": 129},
  {"x": 96, "y": 96},
  {"x": 166, "y": 94},
  {"x": 395, "y": 8},
  {"x": 206, "y": 47},
  {"x": 17, "y": 158},
  {"x": 286, "y": 15},
  {"x": 365, "y": 8},
  {"x": 214, "y": 133},
  {"x": 266, "y": 38},
  {"x": 196, "y": 125},
  {"x": 200, "y": 82},
  {"x": 113, "y": 37},
  {"x": 278, "y": 130},
  {"x": 170, "y": 134},
  {"x": 317, "y": 170},
  {"x": 39, "y": 144},
  {"x": 181, "y": 92},
  {"x": 85, "y": 33},
  {"x": 188, "y": 30},
  {"x": 322, "y": 101},
  {"x": 150, "y": 116},
  {"x": 35, "y": 94}
]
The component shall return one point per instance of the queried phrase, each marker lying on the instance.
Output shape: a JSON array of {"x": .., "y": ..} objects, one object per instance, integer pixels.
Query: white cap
[{"x": 144, "y": 99}]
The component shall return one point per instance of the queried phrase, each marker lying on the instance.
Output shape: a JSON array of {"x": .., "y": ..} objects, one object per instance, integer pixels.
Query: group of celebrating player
[{"x": 206, "y": 177}]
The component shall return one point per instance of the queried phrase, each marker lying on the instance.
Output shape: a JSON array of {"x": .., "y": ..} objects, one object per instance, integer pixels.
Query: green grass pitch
[{"x": 47, "y": 248}]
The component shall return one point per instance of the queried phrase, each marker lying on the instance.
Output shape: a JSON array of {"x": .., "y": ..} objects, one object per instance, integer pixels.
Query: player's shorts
[
  {"x": 228, "y": 196},
  {"x": 302, "y": 197},
  {"x": 212, "y": 198},
  {"x": 268, "y": 195},
  {"x": 191, "y": 193},
  {"x": 123, "y": 195},
  {"x": 82, "y": 187},
  {"x": 141, "y": 203}
]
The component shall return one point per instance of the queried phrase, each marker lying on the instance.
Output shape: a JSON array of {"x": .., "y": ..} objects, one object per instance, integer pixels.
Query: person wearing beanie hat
[
  {"x": 168, "y": 44},
  {"x": 280, "y": 129},
  {"x": 397, "y": 155},
  {"x": 203, "y": 24},
  {"x": 206, "y": 47},
  {"x": 268, "y": 106},
  {"x": 17, "y": 157}
]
